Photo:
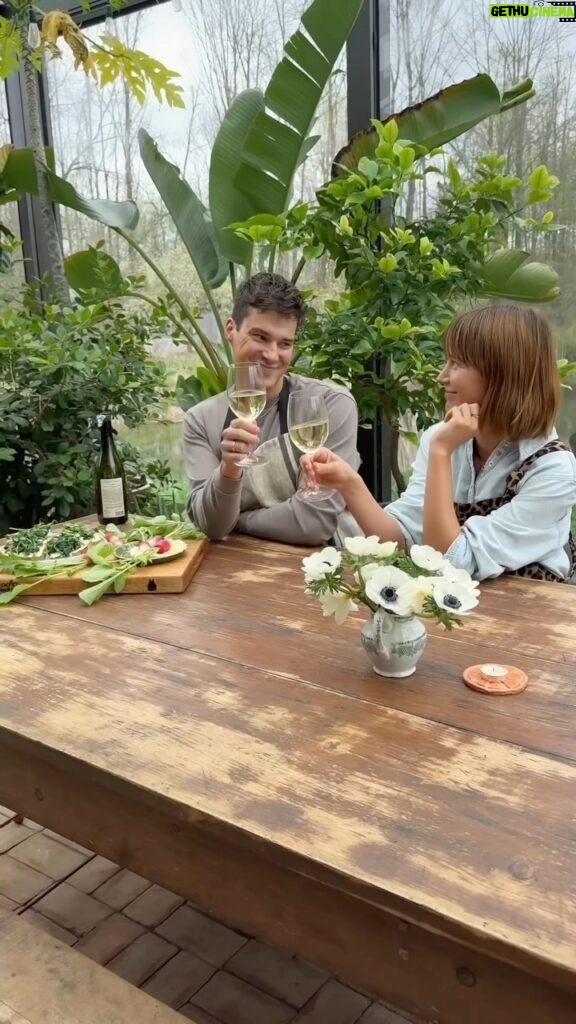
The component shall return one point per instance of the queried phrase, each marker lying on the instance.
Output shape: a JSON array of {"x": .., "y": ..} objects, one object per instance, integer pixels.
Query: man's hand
[
  {"x": 460, "y": 425},
  {"x": 238, "y": 440}
]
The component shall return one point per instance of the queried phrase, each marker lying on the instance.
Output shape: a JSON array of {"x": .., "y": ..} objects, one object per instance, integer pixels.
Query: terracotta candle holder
[{"x": 499, "y": 680}]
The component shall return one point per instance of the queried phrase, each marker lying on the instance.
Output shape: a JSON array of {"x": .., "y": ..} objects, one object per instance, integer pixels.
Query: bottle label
[{"x": 112, "y": 498}]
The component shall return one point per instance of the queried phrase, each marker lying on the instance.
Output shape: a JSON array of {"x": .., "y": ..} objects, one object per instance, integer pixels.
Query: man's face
[{"x": 267, "y": 338}]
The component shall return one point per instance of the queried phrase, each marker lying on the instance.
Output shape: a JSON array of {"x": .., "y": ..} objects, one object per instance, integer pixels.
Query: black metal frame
[
  {"x": 368, "y": 58},
  {"x": 34, "y": 250}
]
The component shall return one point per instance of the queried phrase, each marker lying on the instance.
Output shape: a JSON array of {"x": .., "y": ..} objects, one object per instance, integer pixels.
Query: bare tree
[{"x": 422, "y": 63}]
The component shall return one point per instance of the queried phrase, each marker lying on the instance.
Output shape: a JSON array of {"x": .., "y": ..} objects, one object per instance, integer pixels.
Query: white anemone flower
[
  {"x": 426, "y": 557},
  {"x": 338, "y": 605},
  {"x": 453, "y": 575},
  {"x": 415, "y": 592},
  {"x": 368, "y": 570},
  {"x": 383, "y": 589},
  {"x": 361, "y": 546},
  {"x": 455, "y": 597},
  {"x": 321, "y": 564}
]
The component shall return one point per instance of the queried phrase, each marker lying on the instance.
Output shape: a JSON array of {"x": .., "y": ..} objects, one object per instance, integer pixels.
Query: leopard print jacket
[{"x": 464, "y": 510}]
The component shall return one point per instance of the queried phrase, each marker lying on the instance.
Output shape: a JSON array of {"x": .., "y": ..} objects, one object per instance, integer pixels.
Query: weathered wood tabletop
[{"x": 415, "y": 837}]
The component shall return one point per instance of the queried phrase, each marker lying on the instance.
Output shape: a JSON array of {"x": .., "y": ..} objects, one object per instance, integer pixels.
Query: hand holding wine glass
[
  {"x": 327, "y": 467},
  {"x": 246, "y": 398},
  {"x": 308, "y": 427}
]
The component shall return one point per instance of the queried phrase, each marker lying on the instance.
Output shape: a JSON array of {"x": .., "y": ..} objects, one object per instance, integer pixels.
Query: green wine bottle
[{"x": 111, "y": 502}]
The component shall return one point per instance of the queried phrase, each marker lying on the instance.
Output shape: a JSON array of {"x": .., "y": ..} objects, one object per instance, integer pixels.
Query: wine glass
[
  {"x": 246, "y": 398},
  {"x": 308, "y": 427}
]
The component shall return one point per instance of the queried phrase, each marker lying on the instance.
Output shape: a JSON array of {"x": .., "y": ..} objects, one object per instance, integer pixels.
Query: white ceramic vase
[{"x": 394, "y": 643}]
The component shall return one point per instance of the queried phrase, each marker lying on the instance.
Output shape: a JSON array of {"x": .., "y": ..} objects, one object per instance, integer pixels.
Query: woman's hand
[
  {"x": 326, "y": 469},
  {"x": 460, "y": 425}
]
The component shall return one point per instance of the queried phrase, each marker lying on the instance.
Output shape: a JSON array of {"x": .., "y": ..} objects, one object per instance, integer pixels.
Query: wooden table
[{"x": 415, "y": 837}]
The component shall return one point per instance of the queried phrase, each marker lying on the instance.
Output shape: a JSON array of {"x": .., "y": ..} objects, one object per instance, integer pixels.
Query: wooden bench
[{"x": 42, "y": 981}]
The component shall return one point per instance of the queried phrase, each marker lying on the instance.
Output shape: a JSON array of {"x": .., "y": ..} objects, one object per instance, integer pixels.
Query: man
[{"x": 263, "y": 500}]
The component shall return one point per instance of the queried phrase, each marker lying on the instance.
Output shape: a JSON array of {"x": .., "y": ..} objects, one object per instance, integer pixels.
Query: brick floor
[
  {"x": 286, "y": 977},
  {"x": 19, "y": 882},
  {"x": 333, "y": 1004},
  {"x": 191, "y": 1013},
  {"x": 153, "y": 906},
  {"x": 208, "y": 972},
  {"x": 178, "y": 980},
  {"x": 236, "y": 1002},
  {"x": 121, "y": 889},
  {"x": 109, "y": 938},
  {"x": 11, "y": 834},
  {"x": 72, "y": 910},
  {"x": 195, "y": 933},
  {"x": 48, "y": 856},
  {"x": 93, "y": 874},
  {"x": 142, "y": 958},
  {"x": 49, "y": 926}
]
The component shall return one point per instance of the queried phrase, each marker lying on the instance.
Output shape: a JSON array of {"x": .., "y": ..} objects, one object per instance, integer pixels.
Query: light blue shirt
[{"x": 533, "y": 527}]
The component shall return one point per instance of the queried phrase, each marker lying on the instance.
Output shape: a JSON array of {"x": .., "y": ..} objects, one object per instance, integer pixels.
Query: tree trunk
[
  {"x": 32, "y": 100},
  {"x": 394, "y": 461}
]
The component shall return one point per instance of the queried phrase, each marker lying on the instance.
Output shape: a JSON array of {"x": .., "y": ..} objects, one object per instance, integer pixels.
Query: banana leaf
[
  {"x": 438, "y": 119},
  {"x": 509, "y": 274},
  {"x": 277, "y": 140},
  {"x": 227, "y": 203},
  {"x": 19, "y": 174},
  {"x": 191, "y": 219},
  {"x": 96, "y": 271}
]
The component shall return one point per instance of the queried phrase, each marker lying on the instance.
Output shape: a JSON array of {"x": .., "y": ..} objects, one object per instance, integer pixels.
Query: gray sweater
[{"x": 219, "y": 505}]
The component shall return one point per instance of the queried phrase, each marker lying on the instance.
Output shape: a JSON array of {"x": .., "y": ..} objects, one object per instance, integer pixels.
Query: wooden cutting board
[{"x": 164, "y": 578}]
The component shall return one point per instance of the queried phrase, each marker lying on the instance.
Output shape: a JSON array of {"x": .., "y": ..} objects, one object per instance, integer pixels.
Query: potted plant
[{"x": 399, "y": 589}]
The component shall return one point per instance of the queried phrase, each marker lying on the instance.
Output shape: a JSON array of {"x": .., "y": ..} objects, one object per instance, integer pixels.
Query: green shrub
[{"x": 60, "y": 367}]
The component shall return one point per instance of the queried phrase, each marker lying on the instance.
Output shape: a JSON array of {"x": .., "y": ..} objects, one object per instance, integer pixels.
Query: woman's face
[{"x": 462, "y": 384}]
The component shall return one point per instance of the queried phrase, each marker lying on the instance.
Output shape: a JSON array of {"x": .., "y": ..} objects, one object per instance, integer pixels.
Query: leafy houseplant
[
  {"x": 397, "y": 588},
  {"x": 404, "y": 280},
  {"x": 58, "y": 370}
]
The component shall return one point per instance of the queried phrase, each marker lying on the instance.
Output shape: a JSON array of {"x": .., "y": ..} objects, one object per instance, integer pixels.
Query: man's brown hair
[
  {"x": 265, "y": 292},
  {"x": 513, "y": 349}
]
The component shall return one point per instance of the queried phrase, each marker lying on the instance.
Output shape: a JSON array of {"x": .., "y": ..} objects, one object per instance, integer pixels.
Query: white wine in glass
[
  {"x": 308, "y": 427},
  {"x": 246, "y": 398}
]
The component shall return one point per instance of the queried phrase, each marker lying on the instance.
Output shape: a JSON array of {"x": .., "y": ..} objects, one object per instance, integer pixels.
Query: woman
[{"x": 492, "y": 486}]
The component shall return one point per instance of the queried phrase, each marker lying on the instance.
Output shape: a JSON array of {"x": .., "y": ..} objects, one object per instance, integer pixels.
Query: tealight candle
[{"x": 493, "y": 671}]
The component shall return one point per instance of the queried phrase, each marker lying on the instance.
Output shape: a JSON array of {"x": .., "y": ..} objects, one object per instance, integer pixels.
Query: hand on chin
[{"x": 460, "y": 425}]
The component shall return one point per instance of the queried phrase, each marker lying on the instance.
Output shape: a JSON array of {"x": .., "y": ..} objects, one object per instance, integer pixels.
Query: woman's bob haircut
[{"x": 512, "y": 348}]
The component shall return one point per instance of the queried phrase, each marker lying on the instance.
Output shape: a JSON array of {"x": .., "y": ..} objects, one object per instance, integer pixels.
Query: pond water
[{"x": 159, "y": 441}]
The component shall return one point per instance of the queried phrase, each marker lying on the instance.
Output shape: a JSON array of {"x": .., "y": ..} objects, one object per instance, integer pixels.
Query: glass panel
[
  {"x": 435, "y": 43},
  {"x": 11, "y": 261},
  {"x": 220, "y": 47}
]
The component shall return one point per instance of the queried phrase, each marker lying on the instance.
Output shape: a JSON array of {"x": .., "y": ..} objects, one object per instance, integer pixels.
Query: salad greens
[
  {"x": 110, "y": 567},
  {"x": 111, "y": 553},
  {"x": 27, "y": 542},
  {"x": 71, "y": 539}
]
